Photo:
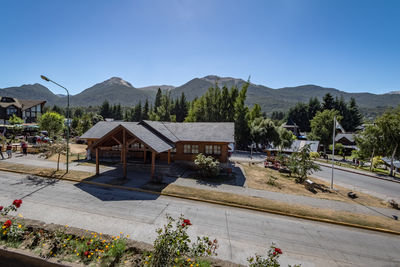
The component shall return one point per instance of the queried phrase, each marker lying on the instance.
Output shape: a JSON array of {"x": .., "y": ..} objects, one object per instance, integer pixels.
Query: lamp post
[{"x": 48, "y": 80}]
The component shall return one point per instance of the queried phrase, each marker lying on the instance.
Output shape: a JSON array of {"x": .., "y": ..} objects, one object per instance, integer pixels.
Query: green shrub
[
  {"x": 272, "y": 180},
  {"x": 173, "y": 246},
  {"x": 207, "y": 166},
  {"x": 314, "y": 155}
]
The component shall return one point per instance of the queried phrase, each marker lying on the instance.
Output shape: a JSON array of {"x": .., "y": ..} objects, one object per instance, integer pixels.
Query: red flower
[
  {"x": 274, "y": 253},
  {"x": 1, "y": 208},
  {"x": 187, "y": 222},
  {"x": 17, "y": 203},
  {"x": 7, "y": 223},
  {"x": 278, "y": 250},
  {"x": 87, "y": 253},
  {"x": 183, "y": 225}
]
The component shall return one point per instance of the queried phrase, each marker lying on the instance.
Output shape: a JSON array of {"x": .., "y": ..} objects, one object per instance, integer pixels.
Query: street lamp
[{"x": 48, "y": 80}]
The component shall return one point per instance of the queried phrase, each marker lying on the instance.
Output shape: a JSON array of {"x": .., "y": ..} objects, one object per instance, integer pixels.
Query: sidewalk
[
  {"x": 138, "y": 178},
  {"x": 361, "y": 172}
]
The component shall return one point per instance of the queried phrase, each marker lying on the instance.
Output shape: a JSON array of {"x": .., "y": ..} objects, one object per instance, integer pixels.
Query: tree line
[{"x": 303, "y": 113}]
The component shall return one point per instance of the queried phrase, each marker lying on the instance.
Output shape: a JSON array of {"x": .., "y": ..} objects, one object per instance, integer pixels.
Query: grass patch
[
  {"x": 283, "y": 207},
  {"x": 258, "y": 177},
  {"x": 46, "y": 172}
]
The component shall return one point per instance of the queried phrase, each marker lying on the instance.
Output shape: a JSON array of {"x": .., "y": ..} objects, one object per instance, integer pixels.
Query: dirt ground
[
  {"x": 77, "y": 148},
  {"x": 257, "y": 177}
]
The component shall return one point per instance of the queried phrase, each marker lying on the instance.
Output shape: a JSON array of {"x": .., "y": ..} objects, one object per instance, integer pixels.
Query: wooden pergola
[{"x": 122, "y": 138}]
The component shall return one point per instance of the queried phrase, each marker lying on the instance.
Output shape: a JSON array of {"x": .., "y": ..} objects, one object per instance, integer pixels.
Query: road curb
[
  {"x": 220, "y": 203},
  {"x": 355, "y": 172}
]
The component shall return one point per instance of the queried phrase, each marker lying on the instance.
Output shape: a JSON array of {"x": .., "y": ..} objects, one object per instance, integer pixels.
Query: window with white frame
[
  {"x": 217, "y": 150},
  {"x": 195, "y": 149},
  {"x": 173, "y": 150},
  {"x": 208, "y": 149},
  {"x": 187, "y": 149}
]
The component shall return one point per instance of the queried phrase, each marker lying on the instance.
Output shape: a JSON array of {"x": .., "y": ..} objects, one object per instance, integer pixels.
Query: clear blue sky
[{"x": 350, "y": 45}]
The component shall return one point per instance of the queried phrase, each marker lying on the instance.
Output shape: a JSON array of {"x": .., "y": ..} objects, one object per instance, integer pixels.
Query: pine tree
[
  {"x": 145, "y": 112},
  {"x": 242, "y": 131},
  {"x": 157, "y": 101},
  {"x": 105, "y": 111},
  {"x": 329, "y": 102}
]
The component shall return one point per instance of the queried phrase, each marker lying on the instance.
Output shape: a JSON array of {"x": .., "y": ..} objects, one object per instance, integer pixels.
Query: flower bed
[{"x": 77, "y": 247}]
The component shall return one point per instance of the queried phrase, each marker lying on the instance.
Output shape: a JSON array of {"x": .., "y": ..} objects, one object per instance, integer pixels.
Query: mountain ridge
[{"x": 116, "y": 90}]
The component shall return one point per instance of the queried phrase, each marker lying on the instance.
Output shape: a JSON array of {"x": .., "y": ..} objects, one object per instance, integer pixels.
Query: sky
[{"x": 351, "y": 45}]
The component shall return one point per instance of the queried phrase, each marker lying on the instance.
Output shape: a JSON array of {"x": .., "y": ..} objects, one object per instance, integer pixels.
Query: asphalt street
[
  {"x": 240, "y": 233},
  {"x": 378, "y": 187}
]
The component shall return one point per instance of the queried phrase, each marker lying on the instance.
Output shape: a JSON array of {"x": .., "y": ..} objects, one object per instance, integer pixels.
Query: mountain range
[{"x": 117, "y": 90}]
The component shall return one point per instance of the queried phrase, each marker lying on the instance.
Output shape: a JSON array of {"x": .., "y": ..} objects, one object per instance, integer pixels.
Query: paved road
[
  {"x": 378, "y": 187},
  {"x": 241, "y": 233}
]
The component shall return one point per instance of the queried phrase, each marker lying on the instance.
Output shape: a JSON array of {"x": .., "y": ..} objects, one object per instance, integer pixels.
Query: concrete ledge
[{"x": 11, "y": 257}]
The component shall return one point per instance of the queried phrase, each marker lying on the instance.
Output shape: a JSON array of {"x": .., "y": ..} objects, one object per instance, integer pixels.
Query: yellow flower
[
  {"x": 117, "y": 237},
  {"x": 191, "y": 265},
  {"x": 20, "y": 215},
  {"x": 188, "y": 259},
  {"x": 3, "y": 227},
  {"x": 91, "y": 240},
  {"x": 75, "y": 250},
  {"x": 88, "y": 256},
  {"x": 112, "y": 246},
  {"x": 128, "y": 236},
  {"x": 100, "y": 234},
  {"x": 64, "y": 245},
  {"x": 120, "y": 233},
  {"x": 146, "y": 262},
  {"x": 91, "y": 253},
  {"x": 149, "y": 256},
  {"x": 66, "y": 225},
  {"x": 77, "y": 254},
  {"x": 19, "y": 226},
  {"x": 107, "y": 246}
]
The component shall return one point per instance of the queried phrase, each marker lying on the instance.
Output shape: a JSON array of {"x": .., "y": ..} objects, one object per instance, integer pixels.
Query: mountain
[
  {"x": 30, "y": 91},
  {"x": 154, "y": 88},
  {"x": 282, "y": 99},
  {"x": 116, "y": 90}
]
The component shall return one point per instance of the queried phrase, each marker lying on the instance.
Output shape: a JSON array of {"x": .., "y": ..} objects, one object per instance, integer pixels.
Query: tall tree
[
  {"x": 145, "y": 112},
  {"x": 322, "y": 126},
  {"x": 263, "y": 132},
  {"x": 52, "y": 122},
  {"x": 105, "y": 110},
  {"x": 313, "y": 107},
  {"x": 299, "y": 115},
  {"x": 328, "y": 102},
  {"x": 137, "y": 112},
  {"x": 389, "y": 124},
  {"x": 369, "y": 143},
  {"x": 157, "y": 101},
  {"x": 241, "y": 124},
  {"x": 355, "y": 115}
]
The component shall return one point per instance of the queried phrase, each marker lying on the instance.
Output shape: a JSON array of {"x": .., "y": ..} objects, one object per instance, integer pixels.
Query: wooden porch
[{"x": 124, "y": 141}]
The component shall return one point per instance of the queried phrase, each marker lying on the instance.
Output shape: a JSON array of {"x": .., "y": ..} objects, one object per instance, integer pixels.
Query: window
[
  {"x": 217, "y": 150},
  {"x": 187, "y": 149},
  {"x": 11, "y": 110},
  {"x": 173, "y": 150},
  {"x": 208, "y": 149},
  {"x": 195, "y": 149}
]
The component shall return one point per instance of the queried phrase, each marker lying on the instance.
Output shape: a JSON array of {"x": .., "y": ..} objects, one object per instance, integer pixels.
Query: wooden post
[
  {"x": 97, "y": 161},
  {"x": 153, "y": 164},
  {"x": 169, "y": 156},
  {"x": 124, "y": 150},
  {"x": 144, "y": 154}
]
